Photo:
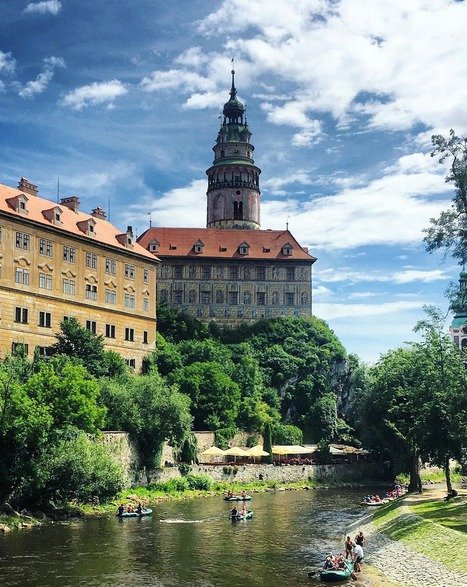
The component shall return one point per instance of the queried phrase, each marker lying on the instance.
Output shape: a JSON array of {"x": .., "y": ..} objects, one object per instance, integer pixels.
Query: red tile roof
[
  {"x": 72, "y": 223},
  {"x": 224, "y": 243}
]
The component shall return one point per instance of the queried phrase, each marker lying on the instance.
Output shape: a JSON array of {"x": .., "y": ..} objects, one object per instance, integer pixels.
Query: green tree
[
  {"x": 267, "y": 444},
  {"x": 321, "y": 419},
  {"x": 75, "y": 467},
  {"x": 69, "y": 392},
  {"x": 151, "y": 411},
  {"x": 78, "y": 342},
  {"x": 449, "y": 230},
  {"x": 442, "y": 395},
  {"x": 215, "y": 397},
  {"x": 388, "y": 411},
  {"x": 25, "y": 425}
]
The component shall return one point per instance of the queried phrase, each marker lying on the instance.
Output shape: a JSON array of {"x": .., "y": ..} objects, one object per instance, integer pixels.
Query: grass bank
[{"x": 430, "y": 526}]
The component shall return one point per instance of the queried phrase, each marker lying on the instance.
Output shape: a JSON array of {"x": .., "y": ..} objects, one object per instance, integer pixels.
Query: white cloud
[
  {"x": 275, "y": 185},
  {"x": 378, "y": 275},
  {"x": 392, "y": 209},
  {"x": 328, "y": 311},
  {"x": 177, "y": 207},
  {"x": 175, "y": 79},
  {"x": 362, "y": 295},
  {"x": 37, "y": 86},
  {"x": 48, "y": 6},
  {"x": 7, "y": 63},
  {"x": 353, "y": 58},
  {"x": 321, "y": 291},
  {"x": 94, "y": 94}
]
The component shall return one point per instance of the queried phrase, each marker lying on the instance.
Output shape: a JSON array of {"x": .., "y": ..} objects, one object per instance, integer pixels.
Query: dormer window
[
  {"x": 154, "y": 246},
  {"x": 87, "y": 226},
  {"x": 244, "y": 248},
  {"x": 287, "y": 249},
  {"x": 172, "y": 247},
  {"x": 198, "y": 246},
  {"x": 19, "y": 203}
]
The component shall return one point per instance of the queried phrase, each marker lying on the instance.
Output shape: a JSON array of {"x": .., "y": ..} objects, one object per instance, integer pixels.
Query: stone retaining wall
[
  {"x": 345, "y": 472},
  {"x": 125, "y": 453}
]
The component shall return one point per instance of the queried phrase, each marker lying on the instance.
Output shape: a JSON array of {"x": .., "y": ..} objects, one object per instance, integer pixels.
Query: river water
[{"x": 187, "y": 543}]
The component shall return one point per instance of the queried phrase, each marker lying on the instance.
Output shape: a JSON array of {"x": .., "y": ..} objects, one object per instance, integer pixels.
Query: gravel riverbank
[{"x": 403, "y": 565}]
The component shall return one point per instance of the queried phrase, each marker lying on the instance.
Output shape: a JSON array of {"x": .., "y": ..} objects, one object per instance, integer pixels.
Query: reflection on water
[{"x": 187, "y": 543}]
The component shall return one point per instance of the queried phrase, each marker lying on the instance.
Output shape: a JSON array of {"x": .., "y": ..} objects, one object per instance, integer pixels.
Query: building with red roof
[
  {"x": 56, "y": 262},
  {"x": 232, "y": 271}
]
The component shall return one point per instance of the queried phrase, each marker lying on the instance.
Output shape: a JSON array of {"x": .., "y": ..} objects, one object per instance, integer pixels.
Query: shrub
[{"x": 200, "y": 482}]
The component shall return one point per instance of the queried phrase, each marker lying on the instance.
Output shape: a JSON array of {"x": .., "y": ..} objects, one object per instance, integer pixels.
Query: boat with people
[
  {"x": 334, "y": 575},
  {"x": 237, "y": 498},
  {"x": 373, "y": 503},
  {"x": 135, "y": 514},
  {"x": 239, "y": 516}
]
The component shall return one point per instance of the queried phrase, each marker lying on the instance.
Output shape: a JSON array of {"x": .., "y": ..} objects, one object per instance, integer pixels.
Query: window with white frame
[
  {"x": 130, "y": 334},
  {"x": 45, "y": 281},
  {"x": 23, "y": 241},
  {"x": 129, "y": 300},
  {"x": 21, "y": 315},
  {"x": 45, "y": 247},
  {"x": 110, "y": 266},
  {"x": 110, "y": 296},
  {"x": 91, "y": 326},
  {"x": 69, "y": 254},
  {"x": 110, "y": 330},
  {"x": 91, "y": 291},
  {"x": 129, "y": 271},
  {"x": 22, "y": 276},
  {"x": 91, "y": 260},
  {"x": 45, "y": 319},
  {"x": 69, "y": 286}
]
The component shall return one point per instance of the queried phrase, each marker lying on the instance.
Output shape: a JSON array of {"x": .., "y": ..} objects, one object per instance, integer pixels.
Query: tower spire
[{"x": 233, "y": 194}]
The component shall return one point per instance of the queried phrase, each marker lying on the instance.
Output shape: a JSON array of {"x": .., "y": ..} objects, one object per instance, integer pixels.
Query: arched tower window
[
  {"x": 222, "y": 153},
  {"x": 238, "y": 210}
]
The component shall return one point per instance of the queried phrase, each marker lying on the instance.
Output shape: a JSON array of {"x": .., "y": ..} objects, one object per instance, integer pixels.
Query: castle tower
[
  {"x": 233, "y": 194},
  {"x": 458, "y": 326}
]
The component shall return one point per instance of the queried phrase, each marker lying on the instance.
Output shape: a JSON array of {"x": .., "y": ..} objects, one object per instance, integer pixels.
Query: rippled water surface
[{"x": 187, "y": 543}]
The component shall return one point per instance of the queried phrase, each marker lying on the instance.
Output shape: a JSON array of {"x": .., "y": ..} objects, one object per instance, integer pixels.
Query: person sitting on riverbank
[
  {"x": 348, "y": 545},
  {"x": 357, "y": 557}
]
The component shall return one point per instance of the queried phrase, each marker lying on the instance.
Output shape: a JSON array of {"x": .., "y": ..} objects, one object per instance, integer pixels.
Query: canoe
[
  {"x": 145, "y": 512},
  {"x": 333, "y": 575},
  {"x": 237, "y": 498},
  {"x": 246, "y": 516}
]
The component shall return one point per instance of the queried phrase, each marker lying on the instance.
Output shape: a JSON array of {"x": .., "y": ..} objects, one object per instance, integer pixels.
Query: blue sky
[{"x": 121, "y": 101}]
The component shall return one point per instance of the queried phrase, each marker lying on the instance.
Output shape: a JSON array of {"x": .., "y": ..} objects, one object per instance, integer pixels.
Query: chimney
[
  {"x": 99, "y": 213},
  {"x": 27, "y": 187},
  {"x": 72, "y": 203},
  {"x": 129, "y": 230}
]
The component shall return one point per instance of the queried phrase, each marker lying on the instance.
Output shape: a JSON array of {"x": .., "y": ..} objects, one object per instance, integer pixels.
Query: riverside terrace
[{"x": 284, "y": 455}]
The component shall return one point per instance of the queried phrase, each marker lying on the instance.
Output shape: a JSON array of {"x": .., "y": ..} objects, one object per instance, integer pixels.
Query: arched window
[
  {"x": 222, "y": 153},
  {"x": 275, "y": 298},
  {"x": 247, "y": 297},
  {"x": 192, "y": 296},
  {"x": 238, "y": 210},
  {"x": 304, "y": 298}
]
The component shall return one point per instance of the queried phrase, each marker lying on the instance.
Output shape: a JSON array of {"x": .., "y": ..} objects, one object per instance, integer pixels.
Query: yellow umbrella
[
  {"x": 213, "y": 451},
  {"x": 235, "y": 451},
  {"x": 256, "y": 451}
]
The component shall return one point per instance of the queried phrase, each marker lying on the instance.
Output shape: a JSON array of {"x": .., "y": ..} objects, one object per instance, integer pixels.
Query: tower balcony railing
[{"x": 232, "y": 183}]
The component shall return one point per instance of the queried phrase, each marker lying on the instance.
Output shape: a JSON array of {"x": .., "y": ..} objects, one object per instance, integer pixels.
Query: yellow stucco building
[{"x": 57, "y": 262}]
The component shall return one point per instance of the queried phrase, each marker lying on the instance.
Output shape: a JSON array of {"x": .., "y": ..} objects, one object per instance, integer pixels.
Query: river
[{"x": 187, "y": 543}]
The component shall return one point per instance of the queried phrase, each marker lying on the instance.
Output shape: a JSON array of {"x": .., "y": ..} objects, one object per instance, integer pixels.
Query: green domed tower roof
[{"x": 233, "y": 109}]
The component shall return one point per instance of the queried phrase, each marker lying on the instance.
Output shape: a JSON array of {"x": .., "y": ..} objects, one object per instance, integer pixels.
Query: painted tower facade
[{"x": 233, "y": 194}]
